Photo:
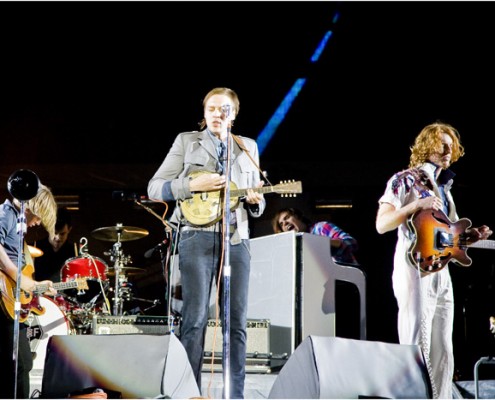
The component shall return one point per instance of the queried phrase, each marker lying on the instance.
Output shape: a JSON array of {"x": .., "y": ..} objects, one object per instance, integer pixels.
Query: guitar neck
[
  {"x": 243, "y": 192},
  {"x": 483, "y": 244},
  {"x": 58, "y": 286}
]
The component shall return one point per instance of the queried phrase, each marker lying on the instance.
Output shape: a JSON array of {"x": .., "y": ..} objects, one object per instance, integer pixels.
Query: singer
[
  {"x": 201, "y": 246},
  {"x": 42, "y": 208}
]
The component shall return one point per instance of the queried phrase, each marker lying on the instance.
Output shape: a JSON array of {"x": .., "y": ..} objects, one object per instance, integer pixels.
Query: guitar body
[
  {"x": 29, "y": 302},
  {"x": 438, "y": 241},
  {"x": 205, "y": 208}
]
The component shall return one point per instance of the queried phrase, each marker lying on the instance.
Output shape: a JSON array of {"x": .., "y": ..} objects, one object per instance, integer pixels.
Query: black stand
[
  {"x": 165, "y": 260},
  {"x": 226, "y": 262},
  {"x": 21, "y": 230}
]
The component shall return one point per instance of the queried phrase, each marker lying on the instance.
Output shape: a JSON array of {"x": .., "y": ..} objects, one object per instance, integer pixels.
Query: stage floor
[{"x": 257, "y": 386}]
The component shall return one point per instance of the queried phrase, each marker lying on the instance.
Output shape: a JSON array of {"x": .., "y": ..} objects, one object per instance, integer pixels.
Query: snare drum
[
  {"x": 41, "y": 327},
  {"x": 94, "y": 269}
]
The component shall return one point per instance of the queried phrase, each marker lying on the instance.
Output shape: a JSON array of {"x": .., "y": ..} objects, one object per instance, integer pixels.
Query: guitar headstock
[
  {"x": 82, "y": 283},
  {"x": 289, "y": 188}
]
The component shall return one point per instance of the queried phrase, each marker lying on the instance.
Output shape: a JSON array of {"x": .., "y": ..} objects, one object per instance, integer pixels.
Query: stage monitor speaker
[
  {"x": 136, "y": 366},
  {"x": 339, "y": 368}
]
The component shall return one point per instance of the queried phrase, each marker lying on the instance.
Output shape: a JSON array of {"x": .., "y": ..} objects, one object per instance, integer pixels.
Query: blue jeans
[{"x": 199, "y": 257}]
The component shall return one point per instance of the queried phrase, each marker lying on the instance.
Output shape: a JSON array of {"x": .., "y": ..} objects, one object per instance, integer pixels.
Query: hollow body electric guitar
[
  {"x": 438, "y": 240},
  {"x": 205, "y": 208},
  {"x": 30, "y": 300}
]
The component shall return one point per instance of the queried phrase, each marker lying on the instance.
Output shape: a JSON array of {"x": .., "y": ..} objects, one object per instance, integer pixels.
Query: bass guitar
[
  {"x": 438, "y": 240},
  {"x": 30, "y": 300},
  {"x": 205, "y": 208}
]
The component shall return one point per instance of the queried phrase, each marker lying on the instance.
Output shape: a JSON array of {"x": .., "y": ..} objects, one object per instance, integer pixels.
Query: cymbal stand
[{"x": 119, "y": 261}]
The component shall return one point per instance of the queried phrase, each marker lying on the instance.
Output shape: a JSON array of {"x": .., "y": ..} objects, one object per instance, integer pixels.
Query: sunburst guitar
[
  {"x": 205, "y": 208},
  {"x": 439, "y": 240},
  {"x": 30, "y": 301}
]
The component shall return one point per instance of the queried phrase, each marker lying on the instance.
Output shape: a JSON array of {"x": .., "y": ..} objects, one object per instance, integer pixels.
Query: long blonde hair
[
  {"x": 44, "y": 206},
  {"x": 429, "y": 141}
]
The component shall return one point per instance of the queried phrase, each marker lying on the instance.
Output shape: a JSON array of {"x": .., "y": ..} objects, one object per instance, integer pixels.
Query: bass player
[
  {"x": 41, "y": 209},
  {"x": 425, "y": 300}
]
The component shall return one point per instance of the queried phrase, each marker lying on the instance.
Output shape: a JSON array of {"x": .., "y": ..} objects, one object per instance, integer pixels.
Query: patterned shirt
[{"x": 343, "y": 254}]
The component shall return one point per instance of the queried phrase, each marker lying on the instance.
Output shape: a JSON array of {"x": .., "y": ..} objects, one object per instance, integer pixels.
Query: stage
[{"x": 257, "y": 386}]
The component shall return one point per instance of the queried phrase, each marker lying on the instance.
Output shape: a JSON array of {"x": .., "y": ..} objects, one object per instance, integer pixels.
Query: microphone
[
  {"x": 23, "y": 184},
  {"x": 149, "y": 253},
  {"x": 124, "y": 195},
  {"x": 226, "y": 110}
]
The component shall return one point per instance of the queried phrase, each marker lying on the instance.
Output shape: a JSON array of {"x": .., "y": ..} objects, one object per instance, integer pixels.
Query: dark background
[{"x": 93, "y": 93}]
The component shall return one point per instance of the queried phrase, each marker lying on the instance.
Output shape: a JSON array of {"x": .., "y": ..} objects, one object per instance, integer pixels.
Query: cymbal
[
  {"x": 119, "y": 233},
  {"x": 126, "y": 271},
  {"x": 35, "y": 252}
]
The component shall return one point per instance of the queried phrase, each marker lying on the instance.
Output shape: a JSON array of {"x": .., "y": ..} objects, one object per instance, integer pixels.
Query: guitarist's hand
[
  {"x": 481, "y": 233},
  {"x": 253, "y": 197},
  {"x": 51, "y": 290},
  {"x": 207, "y": 182},
  {"x": 430, "y": 202},
  {"x": 28, "y": 284}
]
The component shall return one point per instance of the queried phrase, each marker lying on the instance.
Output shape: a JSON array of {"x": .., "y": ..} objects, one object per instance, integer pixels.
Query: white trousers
[{"x": 426, "y": 318}]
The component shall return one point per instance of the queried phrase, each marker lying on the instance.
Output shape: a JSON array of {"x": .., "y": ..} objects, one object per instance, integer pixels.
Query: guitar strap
[{"x": 239, "y": 141}]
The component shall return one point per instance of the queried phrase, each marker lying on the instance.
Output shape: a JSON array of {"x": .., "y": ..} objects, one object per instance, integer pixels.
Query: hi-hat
[
  {"x": 35, "y": 252},
  {"x": 126, "y": 271},
  {"x": 119, "y": 233}
]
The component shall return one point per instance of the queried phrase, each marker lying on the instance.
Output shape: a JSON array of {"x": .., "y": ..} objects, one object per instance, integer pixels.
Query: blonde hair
[
  {"x": 429, "y": 141},
  {"x": 44, "y": 206}
]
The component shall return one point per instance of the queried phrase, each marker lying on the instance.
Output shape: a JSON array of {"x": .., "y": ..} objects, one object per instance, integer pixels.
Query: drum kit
[{"x": 72, "y": 311}]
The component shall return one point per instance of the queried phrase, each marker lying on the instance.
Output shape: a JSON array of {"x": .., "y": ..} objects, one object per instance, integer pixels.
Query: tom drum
[{"x": 94, "y": 269}]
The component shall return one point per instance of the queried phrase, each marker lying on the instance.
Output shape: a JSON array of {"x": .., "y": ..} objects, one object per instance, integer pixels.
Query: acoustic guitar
[
  {"x": 438, "y": 240},
  {"x": 30, "y": 300},
  {"x": 205, "y": 208}
]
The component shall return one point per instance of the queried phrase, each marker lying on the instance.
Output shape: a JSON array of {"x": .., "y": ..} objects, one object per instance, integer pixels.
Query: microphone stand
[
  {"x": 21, "y": 230},
  {"x": 165, "y": 259},
  {"x": 226, "y": 266}
]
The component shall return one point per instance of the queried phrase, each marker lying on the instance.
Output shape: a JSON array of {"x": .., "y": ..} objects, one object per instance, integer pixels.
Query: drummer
[{"x": 57, "y": 250}]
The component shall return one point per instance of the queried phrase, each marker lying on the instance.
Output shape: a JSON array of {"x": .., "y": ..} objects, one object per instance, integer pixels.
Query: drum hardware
[
  {"x": 129, "y": 271},
  {"x": 121, "y": 288},
  {"x": 154, "y": 303},
  {"x": 119, "y": 233}
]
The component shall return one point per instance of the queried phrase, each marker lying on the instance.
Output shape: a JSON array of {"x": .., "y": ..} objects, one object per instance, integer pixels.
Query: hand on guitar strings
[
  {"x": 480, "y": 233},
  {"x": 207, "y": 182},
  {"x": 253, "y": 197}
]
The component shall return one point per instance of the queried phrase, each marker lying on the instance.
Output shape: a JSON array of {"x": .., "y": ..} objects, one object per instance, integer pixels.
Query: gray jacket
[{"x": 195, "y": 151}]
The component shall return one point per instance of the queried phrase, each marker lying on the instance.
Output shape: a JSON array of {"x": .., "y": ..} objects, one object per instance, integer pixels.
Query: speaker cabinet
[
  {"x": 137, "y": 366},
  {"x": 339, "y": 368}
]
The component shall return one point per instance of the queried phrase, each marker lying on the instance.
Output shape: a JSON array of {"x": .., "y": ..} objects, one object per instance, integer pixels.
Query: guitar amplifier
[
  {"x": 140, "y": 324},
  {"x": 258, "y": 337},
  {"x": 257, "y": 347}
]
